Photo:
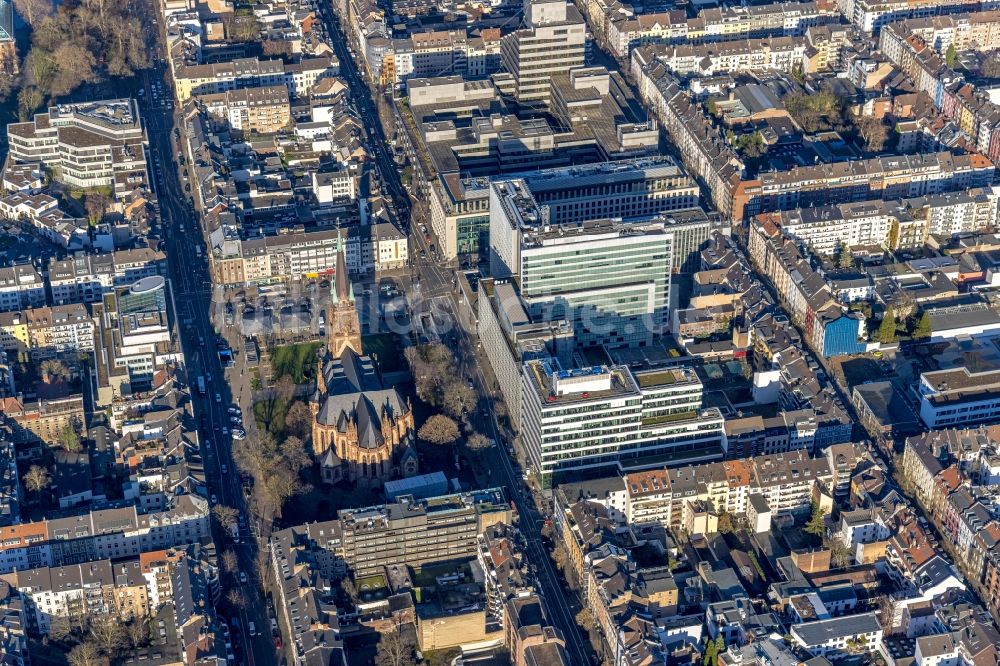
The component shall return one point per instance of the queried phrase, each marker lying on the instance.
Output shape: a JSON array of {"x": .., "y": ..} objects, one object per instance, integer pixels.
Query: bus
[{"x": 201, "y": 385}]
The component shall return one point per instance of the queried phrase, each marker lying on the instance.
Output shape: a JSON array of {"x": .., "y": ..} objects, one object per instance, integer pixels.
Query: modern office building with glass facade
[{"x": 608, "y": 416}]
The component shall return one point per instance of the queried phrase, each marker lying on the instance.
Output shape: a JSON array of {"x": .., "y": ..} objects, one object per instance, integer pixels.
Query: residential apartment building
[
  {"x": 836, "y": 638},
  {"x": 255, "y": 110},
  {"x": 112, "y": 533},
  {"x": 85, "y": 278},
  {"x": 972, "y": 110},
  {"x": 418, "y": 532},
  {"x": 60, "y": 329},
  {"x": 300, "y": 556},
  {"x": 551, "y": 42},
  {"x": 308, "y": 255},
  {"x": 21, "y": 287},
  {"x": 783, "y": 481},
  {"x": 43, "y": 418},
  {"x": 86, "y": 144},
  {"x": 438, "y": 53},
  {"x": 611, "y": 417},
  {"x": 871, "y": 16},
  {"x": 778, "y": 19},
  {"x": 211, "y": 79},
  {"x": 781, "y": 54},
  {"x": 828, "y": 328},
  {"x": 904, "y": 223}
]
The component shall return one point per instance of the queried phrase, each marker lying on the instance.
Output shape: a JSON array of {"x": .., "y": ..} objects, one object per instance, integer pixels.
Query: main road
[{"x": 189, "y": 275}]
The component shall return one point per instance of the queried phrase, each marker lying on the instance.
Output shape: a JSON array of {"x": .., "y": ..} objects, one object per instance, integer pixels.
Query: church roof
[
  {"x": 365, "y": 410},
  {"x": 351, "y": 373}
]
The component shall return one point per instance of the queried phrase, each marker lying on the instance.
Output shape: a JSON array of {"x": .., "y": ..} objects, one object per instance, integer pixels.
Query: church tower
[{"x": 343, "y": 324}]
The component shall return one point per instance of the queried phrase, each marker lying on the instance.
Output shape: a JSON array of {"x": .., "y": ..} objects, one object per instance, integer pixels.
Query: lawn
[
  {"x": 270, "y": 415},
  {"x": 427, "y": 576},
  {"x": 296, "y": 361},
  {"x": 384, "y": 348}
]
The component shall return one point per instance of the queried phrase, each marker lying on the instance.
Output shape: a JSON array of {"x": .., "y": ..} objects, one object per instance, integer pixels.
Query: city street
[
  {"x": 188, "y": 270},
  {"x": 433, "y": 281}
]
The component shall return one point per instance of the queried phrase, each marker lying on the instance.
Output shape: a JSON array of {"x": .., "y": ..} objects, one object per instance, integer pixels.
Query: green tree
[
  {"x": 710, "y": 657},
  {"x": 845, "y": 259},
  {"x": 69, "y": 439},
  {"x": 951, "y": 56},
  {"x": 816, "y": 524},
  {"x": 886, "y": 332},
  {"x": 726, "y": 525},
  {"x": 893, "y": 240},
  {"x": 922, "y": 329}
]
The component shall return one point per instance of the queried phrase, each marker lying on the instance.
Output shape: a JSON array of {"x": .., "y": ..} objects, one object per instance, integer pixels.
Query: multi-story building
[
  {"x": 714, "y": 24},
  {"x": 784, "y": 482},
  {"x": 43, "y": 418},
  {"x": 460, "y": 207},
  {"x": 551, "y": 42},
  {"x": 257, "y": 110},
  {"x": 308, "y": 255},
  {"x": 611, "y": 417},
  {"x": 839, "y": 637},
  {"x": 60, "y": 329},
  {"x": 299, "y": 556},
  {"x": 135, "y": 324},
  {"x": 298, "y": 77},
  {"x": 958, "y": 396},
  {"x": 85, "y": 278},
  {"x": 562, "y": 267},
  {"x": 419, "y": 532},
  {"x": 438, "y": 53},
  {"x": 907, "y": 222},
  {"x": 810, "y": 301},
  {"x": 781, "y": 54},
  {"x": 86, "y": 144},
  {"x": 21, "y": 287},
  {"x": 112, "y": 533},
  {"x": 511, "y": 337},
  {"x": 871, "y": 16}
]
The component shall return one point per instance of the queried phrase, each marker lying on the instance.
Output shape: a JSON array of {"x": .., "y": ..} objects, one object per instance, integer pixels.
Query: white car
[
  {"x": 235, "y": 420},
  {"x": 243, "y": 577},
  {"x": 239, "y": 434},
  {"x": 218, "y": 398},
  {"x": 225, "y": 431},
  {"x": 234, "y": 410},
  {"x": 213, "y": 500}
]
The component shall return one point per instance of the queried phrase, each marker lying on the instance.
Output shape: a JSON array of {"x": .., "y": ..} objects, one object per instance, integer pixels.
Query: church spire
[{"x": 341, "y": 281}]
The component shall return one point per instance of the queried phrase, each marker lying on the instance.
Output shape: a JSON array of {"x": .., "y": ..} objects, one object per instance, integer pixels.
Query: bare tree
[
  {"x": 394, "y": 649},
  {"x": 230, "y": 562},
  {"x": 96, "y": 205},
  {"x": 226, "y": 515},
  {"x": 33, "y": 11},
  {"x": 478, "y": 442},
  {"x": 87, "y": 654},
  {"x": 874, "y": 132},
  {"x": 293, "y": 450},
  {"x": 235, "y": 598},
  {"x": 53, "y": 369},
  {"x": 28, "y": 101},
  {"x": 109, "y": 634},
  {"x": 138, "y": 631},
  {"x": 457, "y": 398},
  {"x": 299, "y": 420},
  {"x": 439, "y": 429},
  {"x": 36, "y": 479}
]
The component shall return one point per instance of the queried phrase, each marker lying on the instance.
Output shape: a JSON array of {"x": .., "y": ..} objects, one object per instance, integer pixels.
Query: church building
[{"x": 362, "y": 431}]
